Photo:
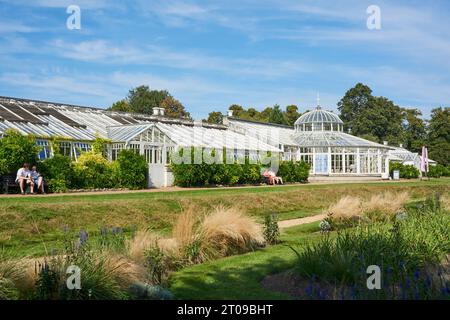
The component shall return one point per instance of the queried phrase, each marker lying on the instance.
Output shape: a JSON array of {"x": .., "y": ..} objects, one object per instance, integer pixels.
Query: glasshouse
[
  {"x": 317, "y": 138},
  {"x": 73, "y": 129},
  {"x": 406, "y": 157}
]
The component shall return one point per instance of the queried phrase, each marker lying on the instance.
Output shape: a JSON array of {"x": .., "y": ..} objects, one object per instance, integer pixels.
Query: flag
[{"x": 424, "y": 160}]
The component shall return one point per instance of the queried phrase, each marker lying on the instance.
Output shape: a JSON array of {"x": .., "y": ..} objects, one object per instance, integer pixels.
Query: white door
[{"x": 321, "y": 164}]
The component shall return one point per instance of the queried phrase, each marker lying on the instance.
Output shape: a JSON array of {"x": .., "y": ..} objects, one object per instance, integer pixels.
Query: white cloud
[
  {"x": 7, "y": 26},
  {"x": 101, "y": 51},
  {"x": 83, "y": 4}
]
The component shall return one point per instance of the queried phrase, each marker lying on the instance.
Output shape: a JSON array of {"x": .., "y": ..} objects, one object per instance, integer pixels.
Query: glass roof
[
  {"x": 332, "y": 139},
  {"x": 319, "y": 116}
]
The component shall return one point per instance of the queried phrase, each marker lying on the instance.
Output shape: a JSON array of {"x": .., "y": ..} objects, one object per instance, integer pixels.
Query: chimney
[
  {"x": 230, "y": 113},
  {"x": 401, "y": 145},
  {"x": 161, "y": 111},
  {"x": 385, "y": 143},
  {"x": 155, "y": 111}
]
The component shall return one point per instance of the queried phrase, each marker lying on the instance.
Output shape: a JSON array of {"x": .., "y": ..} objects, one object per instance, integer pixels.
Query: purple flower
[{"x": 83, "y": 237}]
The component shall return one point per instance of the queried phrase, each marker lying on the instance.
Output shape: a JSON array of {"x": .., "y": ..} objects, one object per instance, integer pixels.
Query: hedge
[
  {"x": 292, "y": 171},
  {"x": 438, "y": 171},
  {"x": 406, "y": 171},
  {"x": 93, "y": 171},
  {"x": 191, "y": 175},
  {"x": 131, "y": 170},
  {"x": 15, "y": 150}
]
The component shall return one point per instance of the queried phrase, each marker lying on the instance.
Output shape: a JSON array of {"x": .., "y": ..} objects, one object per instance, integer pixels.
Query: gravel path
[{"x": 299, "y": 221}]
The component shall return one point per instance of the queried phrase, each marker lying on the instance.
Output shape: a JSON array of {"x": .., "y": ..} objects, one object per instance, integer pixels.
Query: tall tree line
[
  {"x": 142, "y": 100},
  {"x": 379, "y": 119},
  {"x": 269, "y": 114},
  {"x": 371, "y": 117}
]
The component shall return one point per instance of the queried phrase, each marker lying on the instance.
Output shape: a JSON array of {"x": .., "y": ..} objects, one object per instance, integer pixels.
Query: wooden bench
[{"x": 8, "y": 182}]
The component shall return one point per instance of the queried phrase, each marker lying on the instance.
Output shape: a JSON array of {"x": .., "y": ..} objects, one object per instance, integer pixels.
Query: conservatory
[
  {"x": 73, "y": 129},
  {"x": 318, "y": 139}
]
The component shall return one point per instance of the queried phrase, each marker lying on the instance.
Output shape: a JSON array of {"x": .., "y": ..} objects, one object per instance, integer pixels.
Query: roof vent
[
  {"x": 230, "y": 113},
  {"x": 385, "y": 143},
  {"x": 157, "y": 111},
  {"x": 401, "y": 145}
]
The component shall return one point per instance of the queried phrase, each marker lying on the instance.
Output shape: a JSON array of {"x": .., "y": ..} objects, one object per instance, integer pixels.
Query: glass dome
[{"x": 319, "y": 120}]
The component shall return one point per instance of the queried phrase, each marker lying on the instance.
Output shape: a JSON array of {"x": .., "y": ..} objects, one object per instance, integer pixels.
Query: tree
[
  {"x": 15, "y": 150},
  {"x": 276, "y": 116},
  {"x": 253, "y": 114},
  {"x": 414, "y": 130},
  {"x": 291, "y": 114},
  {"x": 121, "y": 106},
  {"x": 265, "y": 114},
  {"x": 354, "y": 101},
  {"x": 215, "y": 117},
  {"x": 143, "y": 100},
  {"x": 439, "y": 135},
  {"x": 173, "y": 108},
  {"x": 288, "y": 117},
  {"x": 237, "y": 110},
  {"x": 367, "y": 115}
]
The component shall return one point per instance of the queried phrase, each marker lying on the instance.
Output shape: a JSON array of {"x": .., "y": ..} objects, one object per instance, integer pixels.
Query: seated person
[
  {"x": 277, "y": 180},
  {"x": 272, "y": 177},
  {"x": 266, "y": 174},
  {"x": 37, "y": 179},
  {"x": 23, "y": 178}
]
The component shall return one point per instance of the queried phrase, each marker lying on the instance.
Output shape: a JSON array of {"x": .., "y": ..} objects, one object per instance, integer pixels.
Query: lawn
[
  {"x": 32, "y": 225},
  {"x": 239, "y": 277}
]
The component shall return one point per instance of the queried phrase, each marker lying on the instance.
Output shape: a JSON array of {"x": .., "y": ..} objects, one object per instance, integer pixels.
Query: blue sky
[{"x": 210, "y": 54}]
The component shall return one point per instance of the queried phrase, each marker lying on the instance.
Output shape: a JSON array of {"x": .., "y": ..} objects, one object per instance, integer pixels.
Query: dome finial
[{"x": 318, "y": 101}]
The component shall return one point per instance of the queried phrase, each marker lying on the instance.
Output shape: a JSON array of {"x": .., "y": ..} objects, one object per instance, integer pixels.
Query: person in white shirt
[
  {"x": 23, "y": 178},
  {"x": 37, "y": 179}
]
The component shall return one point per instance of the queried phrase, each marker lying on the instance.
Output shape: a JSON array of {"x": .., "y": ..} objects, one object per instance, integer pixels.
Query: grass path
[{"x": 239, "y": 277}]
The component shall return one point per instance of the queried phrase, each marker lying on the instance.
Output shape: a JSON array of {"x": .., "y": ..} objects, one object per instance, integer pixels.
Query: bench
[{"x": 9, "y": 182}]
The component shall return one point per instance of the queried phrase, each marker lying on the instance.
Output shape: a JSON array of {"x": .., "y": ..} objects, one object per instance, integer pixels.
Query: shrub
[
  {"x": 403, "y": 250},
  {"x": 438, "y": 171},
  {"x": 350, "y": 211},
  {"x": 59, "y": 172},
  {"x": 271, "y": 230},
  {"x": 103, "y": 276},
  {"x": 385, "y": 206},
  {"x": 293, "y": 171},
  {"x": 11, "y": 274},
  {"x": 155, "y": 263},
  {"x": 346, "y": 212},
  {"x": 251, "y": 173},
  {"x": 144, "y": 291},
  {"x": 218, "y": 234},
  {"x": 92, "y": 170},
  {"x": 187, "y": 175},
  {"x": 406, "y": 171},
  {"x": 15, "y": 150},
  {"x": 131, "y": 170},
  {"x": 227, "y": 231}
]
